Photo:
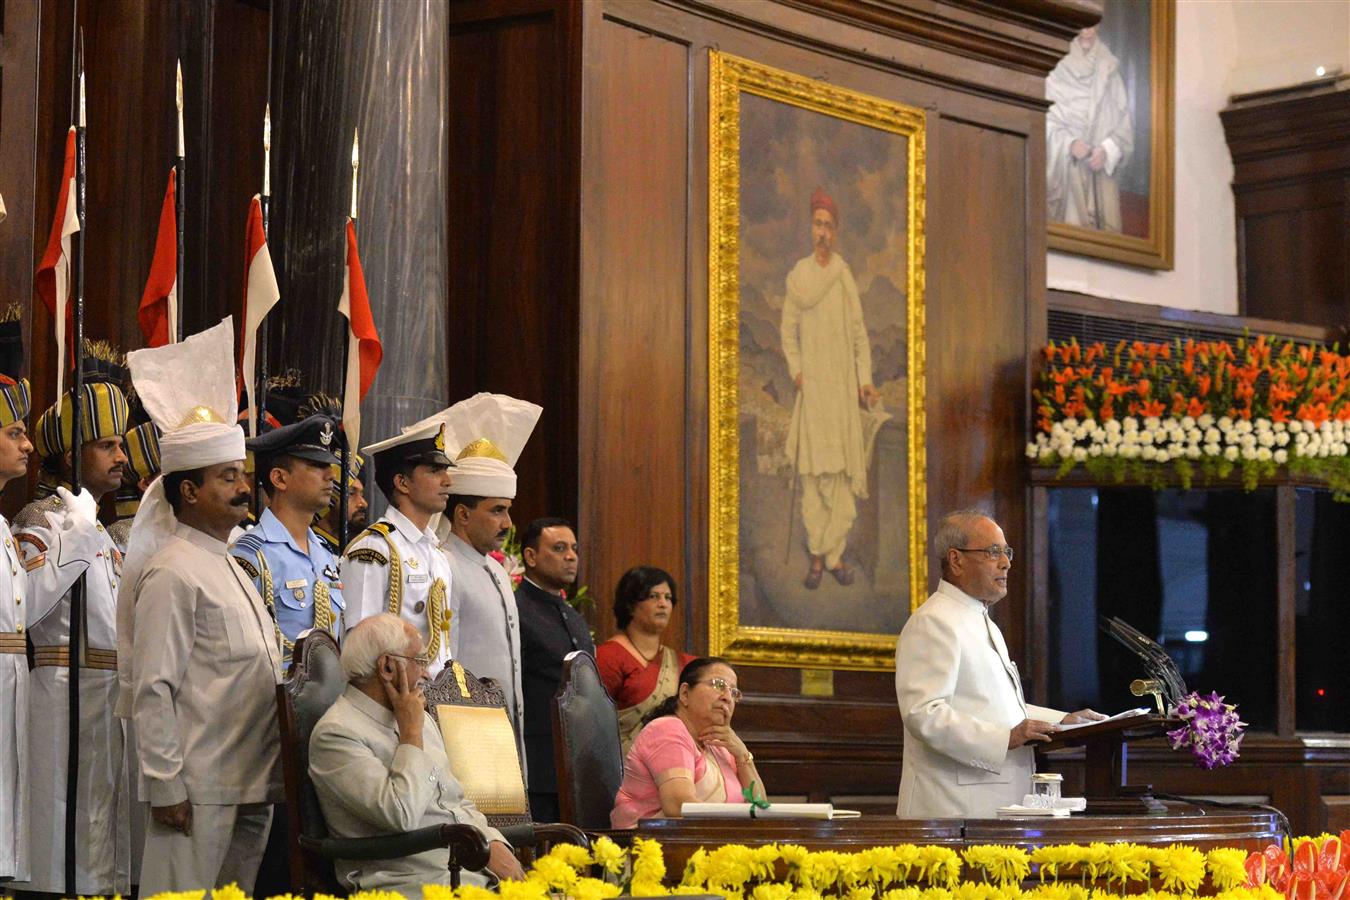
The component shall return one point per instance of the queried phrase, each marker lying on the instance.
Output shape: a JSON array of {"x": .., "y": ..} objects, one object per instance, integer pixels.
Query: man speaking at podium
[{"x": 968, "y": 729}]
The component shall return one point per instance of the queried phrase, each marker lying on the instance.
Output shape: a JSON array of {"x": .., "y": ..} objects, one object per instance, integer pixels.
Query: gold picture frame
[
  {"x": 1150, "y": 245},
  {"x": 894, "y": 135}
]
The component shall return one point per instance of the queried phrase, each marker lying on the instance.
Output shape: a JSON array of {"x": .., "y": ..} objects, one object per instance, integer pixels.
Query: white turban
[
  {"x": 483, "y": 476},
  {"x": 200, "y": 445},
  {"x": 188, "y": 390},
  {"x": 485, "y": 435}
]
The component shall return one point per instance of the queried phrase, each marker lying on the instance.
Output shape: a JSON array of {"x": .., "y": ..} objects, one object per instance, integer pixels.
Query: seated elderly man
[{"x": 379, "y": 765}]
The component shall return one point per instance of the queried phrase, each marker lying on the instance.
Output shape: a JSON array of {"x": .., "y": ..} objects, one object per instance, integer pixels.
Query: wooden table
[{"x": 1183, "y": 823}]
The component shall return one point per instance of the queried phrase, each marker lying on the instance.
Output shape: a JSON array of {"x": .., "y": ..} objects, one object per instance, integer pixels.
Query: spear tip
[
  {"x": 178, "y": 98},
  {"x": 79, "y": 53}
]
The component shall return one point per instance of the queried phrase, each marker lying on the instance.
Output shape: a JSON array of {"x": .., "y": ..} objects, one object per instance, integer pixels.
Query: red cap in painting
[{"x": 822, "y": 200}]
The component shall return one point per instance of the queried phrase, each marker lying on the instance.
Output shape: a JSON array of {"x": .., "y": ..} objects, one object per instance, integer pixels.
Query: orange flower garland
[{"x": 1144, "y": 409}]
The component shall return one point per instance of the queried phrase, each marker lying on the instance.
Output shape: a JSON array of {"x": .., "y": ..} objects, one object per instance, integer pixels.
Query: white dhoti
[
  {"x": 828, "y": 511},
  {"x": 225, "y": 847}
]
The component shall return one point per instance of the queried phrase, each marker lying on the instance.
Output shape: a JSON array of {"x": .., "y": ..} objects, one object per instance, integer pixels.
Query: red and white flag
[
  {"x": 158, "y": 313},
  {"x": 364, "y": 350},
  {"x": 261, "y": 293},
  {"x": 53, "y": 272}
]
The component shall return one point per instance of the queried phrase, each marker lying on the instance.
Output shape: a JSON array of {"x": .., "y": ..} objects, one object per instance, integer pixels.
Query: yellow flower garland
[{"x": 903, "y": 872}]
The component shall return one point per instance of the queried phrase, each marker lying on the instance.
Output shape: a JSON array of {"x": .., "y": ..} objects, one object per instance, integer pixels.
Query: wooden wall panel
[
  {"x": 633, "y": 373},
  {"x": 1291, "y": 193},
  {"x": 1291, "y": 269},
  {"x": 978, "y": 309},
  {"x": 18, "y": 120},
  {"x": 985, "y": 286},
  {"x": 513, "y": 211}
]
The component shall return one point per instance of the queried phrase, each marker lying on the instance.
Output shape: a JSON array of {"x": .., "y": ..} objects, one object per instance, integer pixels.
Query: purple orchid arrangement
[{"x": 1210, "y": 728}]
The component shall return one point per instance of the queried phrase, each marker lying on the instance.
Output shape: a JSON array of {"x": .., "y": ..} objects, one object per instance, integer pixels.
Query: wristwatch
[{"x": 747, "y": 759}]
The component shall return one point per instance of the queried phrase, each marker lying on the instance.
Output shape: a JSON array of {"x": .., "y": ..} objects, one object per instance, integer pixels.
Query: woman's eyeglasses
[{"x": 720, "y": 685}]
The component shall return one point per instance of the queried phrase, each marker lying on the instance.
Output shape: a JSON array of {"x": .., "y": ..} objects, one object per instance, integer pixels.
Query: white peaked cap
[
  {"x": 189, "y": 391},
  {"x": 485, "y": 435}
]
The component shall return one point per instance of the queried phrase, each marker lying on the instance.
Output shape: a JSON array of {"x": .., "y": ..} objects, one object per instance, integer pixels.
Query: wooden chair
[
  {"x": 586, "y": 747},
  {"x": 315, "y": 682},
  {"x": 481, "y": 743}
]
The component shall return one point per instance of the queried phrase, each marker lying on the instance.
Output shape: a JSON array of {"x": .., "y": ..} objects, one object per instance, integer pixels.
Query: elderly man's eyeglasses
[
  {"x": 992, "y": 552},
  {"x": 720, "y": 685},
  {"x": 423, "y": 660}
]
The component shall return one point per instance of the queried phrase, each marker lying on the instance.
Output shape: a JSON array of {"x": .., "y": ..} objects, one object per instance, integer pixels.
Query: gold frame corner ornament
[
  {"x": 1156, "y": 250},
  {"x": 728, "y": 77}
]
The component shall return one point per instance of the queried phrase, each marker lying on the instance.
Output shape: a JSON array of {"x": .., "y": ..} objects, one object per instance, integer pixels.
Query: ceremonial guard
[
  {"x": 485, "y": 435},
  {"x": 395, "y": 565},
  {"x": 14, "y": 604},
  {"x": 60, "y": 539},
  {"x": 327, "y": 524},
  {"x": 295, "y": 573},
  {"x": 141, "y": 445},
  {"x": 198, "y": 652}
]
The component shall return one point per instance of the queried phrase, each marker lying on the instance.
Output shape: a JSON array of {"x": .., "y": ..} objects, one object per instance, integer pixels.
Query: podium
[{"x": 1106, "y": 766}]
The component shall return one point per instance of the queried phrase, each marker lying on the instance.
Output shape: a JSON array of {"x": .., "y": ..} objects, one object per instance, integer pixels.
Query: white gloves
[{"x": 83, "y": 507}]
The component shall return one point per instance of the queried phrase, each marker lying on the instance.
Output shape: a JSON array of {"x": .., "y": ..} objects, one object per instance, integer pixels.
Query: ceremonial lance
[
  {"x": 260, "y": 388},
  {"x": 179, "y": 213},
  {"x": 346, "y": 342},
  {"x": 77, "y": 590}
]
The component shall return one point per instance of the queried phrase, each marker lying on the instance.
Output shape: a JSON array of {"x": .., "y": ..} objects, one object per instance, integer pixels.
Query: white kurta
[
  {"x": 1090, "y": 104},
  {"x": 489, "y": 643},
  {"x": 56, "y": 558},
  {"x": 960, "y": 696},
  {"x": 369, "y": 784},
  {"x": 825, "y": 341},
  {"x": 14, "y": 604},
  {"x": 366, "y": 573}
]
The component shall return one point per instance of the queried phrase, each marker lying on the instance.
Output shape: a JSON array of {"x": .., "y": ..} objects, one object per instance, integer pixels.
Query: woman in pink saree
[{"x": 688, "y": 752}]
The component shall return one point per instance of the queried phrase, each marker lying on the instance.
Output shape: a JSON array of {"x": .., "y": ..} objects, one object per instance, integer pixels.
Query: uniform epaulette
[
  {"x": 250, "y": 541},
  {"x": 368, "y": 555},
  {"x": 383, "y": 529},
  {"x": 120, "y": 532},
  {"x": 248, "y": 567},
  {"x": 34, "y": 515}
]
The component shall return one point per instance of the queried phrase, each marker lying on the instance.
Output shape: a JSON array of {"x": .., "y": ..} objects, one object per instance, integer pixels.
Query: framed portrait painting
[
  {"x": 1108, "y": 137},
  {"x": 816, "y": 470}
]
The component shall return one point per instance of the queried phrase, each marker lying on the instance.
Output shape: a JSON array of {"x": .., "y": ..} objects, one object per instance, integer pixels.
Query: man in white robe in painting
[
  {"x": 829, "y": 358},
  {"x": 1089, "y": 135}
]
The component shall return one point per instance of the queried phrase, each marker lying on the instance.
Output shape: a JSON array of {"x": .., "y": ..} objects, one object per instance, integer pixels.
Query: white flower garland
[{"x": 1159, "y": 440}]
